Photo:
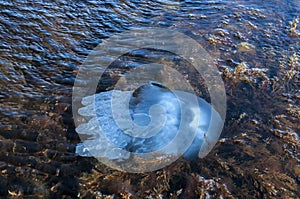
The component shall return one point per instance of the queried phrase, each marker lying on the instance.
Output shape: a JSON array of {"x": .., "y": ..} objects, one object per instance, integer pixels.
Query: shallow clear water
[{"x": 43, "y": 44}]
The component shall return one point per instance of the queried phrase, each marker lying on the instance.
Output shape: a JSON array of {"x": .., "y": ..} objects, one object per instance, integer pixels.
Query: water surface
[{"x": 255, "y": 45}]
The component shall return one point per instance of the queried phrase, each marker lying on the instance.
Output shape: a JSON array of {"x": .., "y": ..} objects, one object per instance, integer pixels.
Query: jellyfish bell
[{"x": 156, "y": 116}]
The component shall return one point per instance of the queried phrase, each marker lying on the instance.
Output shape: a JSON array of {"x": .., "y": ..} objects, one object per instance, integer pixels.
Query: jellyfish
[{"x": 147, "y": 120}]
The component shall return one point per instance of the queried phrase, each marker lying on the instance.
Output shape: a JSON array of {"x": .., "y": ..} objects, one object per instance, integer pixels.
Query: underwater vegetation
[{"x": 255, "y": 45}]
